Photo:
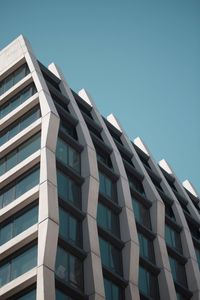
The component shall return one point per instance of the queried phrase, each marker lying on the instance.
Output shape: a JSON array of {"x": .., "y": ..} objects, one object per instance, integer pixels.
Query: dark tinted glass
[
  {"x": 17, "y": 100},
  {"x": 112, "y": 291},
  {"x": 178, "y": 271},
  {"x": 173, "y": 238},
  {"x": 110, "y": 256},
  {"x": 18, "y": 224},
  {"x": 141, "y": 213},
  {"x": 146, "y": 247},
  {"x": 69, "y": 228},
  {"x": 69, "y": 268},
  {"x": 68, "y": 190},
  {"x": 68, "y": 156},
  {"x": 148, "y": 285},
  {"x": 107, "y": 219},
  {"x": 18, "y": 265},
  {"x": 13, "y": 78}
]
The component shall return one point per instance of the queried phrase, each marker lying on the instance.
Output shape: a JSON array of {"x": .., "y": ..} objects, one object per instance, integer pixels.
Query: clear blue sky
[{"x": 139, "y": 59}]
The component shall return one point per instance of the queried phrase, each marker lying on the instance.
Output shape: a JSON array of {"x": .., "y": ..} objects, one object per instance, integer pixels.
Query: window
[
  {"x": 146, "y": 248},
  {"x": 197, "y": 251},
  {"x": 136, "y": 184},
  {"x": 108, "y": 220},
  {"x": 180, "y": 297},
  {"x": 19, "y": 187},
  {"x": 141, "y": 213},
  {"x": 178, "y": 271},
  {"x": 156, "y": 183},
  {"x": 17, "y": 100},
  {"x": 27, "y": 296},
  {"x": 67, "y": 128},
  {"x": 19, "y": 125},
  {"x": 13, "y": 78},
  {"x": 169, "y": 211},
  {"x": 61, "y": 296},
  {"x": 110, "y": 256},
  {"x": 194, "y": 231},
  {"x": 68, "y": 190},
  {"x": 18, "y": 265},
  {"x": 148, "y": 284},
  {"x": 18, "y": 223},
  {"x": 104, "y": 158},
  {"x": 70, "y": 227},
  {"x": 68, "y": 156},
  {"x": 144, "y": 161},
  {"x": 112, "y": 291},
  {"x": 69, "y": 268},
  {"x": 19, "y": 154},
  {"x": 106, "y": 187},
  {"x": 173, "y": 238}
]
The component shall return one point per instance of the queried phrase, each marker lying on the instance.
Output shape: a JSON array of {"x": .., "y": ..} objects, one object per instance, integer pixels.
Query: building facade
[{"x": 85, "y": 213}]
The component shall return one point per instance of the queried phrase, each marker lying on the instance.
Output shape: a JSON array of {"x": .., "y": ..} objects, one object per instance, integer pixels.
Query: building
[{"x": 85, "y": 213}]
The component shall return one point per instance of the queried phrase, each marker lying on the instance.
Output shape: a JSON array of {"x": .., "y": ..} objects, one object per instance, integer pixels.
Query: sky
[{"x": 139, "y": 59}]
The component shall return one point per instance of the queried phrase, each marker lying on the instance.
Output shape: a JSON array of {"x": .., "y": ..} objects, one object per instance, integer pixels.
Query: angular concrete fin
[
  {"x": 113, "y": 120},
  {"x": 86, "y": 96},
  {"x": 165, "y": 166},
  {"x": 188, "y": 185},
  {"x": 55, "y": 69},
  {"x": 138, "y": 142}
]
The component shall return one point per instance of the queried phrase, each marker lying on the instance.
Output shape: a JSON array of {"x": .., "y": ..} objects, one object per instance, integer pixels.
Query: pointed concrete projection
[
  {"x": 85, "y": 96},
  {"x": 138, "y": 142},
  {"x": 165, "y": 166},
  {"x": 188, "y": 185},
  {"x": 113, "y": 120}
]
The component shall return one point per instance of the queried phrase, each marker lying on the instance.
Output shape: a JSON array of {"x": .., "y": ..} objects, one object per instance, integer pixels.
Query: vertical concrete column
[
  {"x": 157, "y": 212},
  {"x": 92, "y": 264},
  {"x": 191, "y": 267},
  {"x": 130, "y": 253},
  {"x": 48, "y": 199}
]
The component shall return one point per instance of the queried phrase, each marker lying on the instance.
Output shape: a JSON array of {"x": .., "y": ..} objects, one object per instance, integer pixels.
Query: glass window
[
  {"x": 13, "y": 78},
  {"x": 68, "y": 190},
  {"x": 197, "y": 250},
  {"x": 67, "y": 128},
  {"x": 112, "y": 291},
  {"x": 146, "y": 247},
  {"x": 136, "y": 184},
  {"x": 69, "y": 228},
  {"x": 29, "y": 147},
  {"x": 19, "y": 187},
  {"x": 19, "y": 154},
  {"x": 61, "y": 296},
  {"x": 169, "y": 211},
  {"x": 148, "y": 284},
  {"x": 24, "y": 262},
  {"x": 17, "y": 100},
  {"x": 173, "y": 238},
  {"x": 108, "y": 220},
  {"x": 18, "y": 224},
  {"x": 180, "y": 297},
  {"x": 106, "y": 187},
  {"x": 141, "y": 213},
  {"x": 18, "y": 265},
  {"x": 19, "y": 125},
  {"x": 69, "y": 268},
  {"x": 110, "y": 256},
  {"x": 67, "y": 155},
  {"x": 178, "y": 271},
  {"x": 104, "y": 158},
  {"x": 28, "y": 296}
]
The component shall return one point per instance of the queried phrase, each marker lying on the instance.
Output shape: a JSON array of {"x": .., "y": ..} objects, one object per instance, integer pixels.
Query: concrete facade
[{"x": 103, "y": 147}]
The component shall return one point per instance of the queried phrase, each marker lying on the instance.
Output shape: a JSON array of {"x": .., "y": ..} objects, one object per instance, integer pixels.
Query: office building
[{"x": 85, "y": 213}]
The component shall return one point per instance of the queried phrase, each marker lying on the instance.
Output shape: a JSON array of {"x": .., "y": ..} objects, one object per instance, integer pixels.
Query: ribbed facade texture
[{"x": 85, "y": 213}]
